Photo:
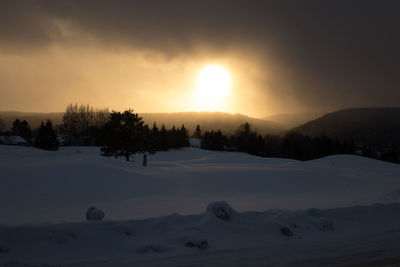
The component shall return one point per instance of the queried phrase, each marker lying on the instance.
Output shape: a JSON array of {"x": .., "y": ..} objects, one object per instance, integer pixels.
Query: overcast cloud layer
[{"x": 318, "y": 54}]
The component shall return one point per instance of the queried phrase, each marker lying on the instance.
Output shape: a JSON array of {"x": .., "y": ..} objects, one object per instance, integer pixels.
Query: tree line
[
  {"x": 44, "y": 137},
  {"x": 81, "y": 124},
  {"x": 118, "y": 133},
  {"x": 292, "y": 145},
  {"x": 125, "y": 133}
]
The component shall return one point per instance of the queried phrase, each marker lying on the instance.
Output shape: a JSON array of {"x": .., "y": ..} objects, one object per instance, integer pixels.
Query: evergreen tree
[
  {"x": 2, "y": 126},
  {"x": 183, "y": 137},
  {"x": 292, "y": 145},
  {"x": 16, "y": 127},
  {"x": 124, "y": 134},
  {"x": 147, "y": 141},
  {"x": 272, "y": 146},
  {"x": 391, "y": 156},
  {"x": 155, "y": 138},
  {"x": 173, "y": 137},
  {"x": 155, "y": 129},
  {"x": 213, "y": 140},
  {"x": 47, "y": 137},
  {"x": 22, "y": 129},
  {"x": 163, "y": 139},
  {"x": 197, "y": 132},
  {"x": 242, "y": 137}
]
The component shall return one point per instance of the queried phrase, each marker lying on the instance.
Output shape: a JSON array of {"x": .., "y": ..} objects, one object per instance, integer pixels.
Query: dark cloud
[{"x": 329, "y": 53}]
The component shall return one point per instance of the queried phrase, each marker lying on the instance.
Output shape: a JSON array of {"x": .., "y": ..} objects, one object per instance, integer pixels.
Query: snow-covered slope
[
  {"x": 284, "y": 228},
  {"x": 59, "y": 186}
]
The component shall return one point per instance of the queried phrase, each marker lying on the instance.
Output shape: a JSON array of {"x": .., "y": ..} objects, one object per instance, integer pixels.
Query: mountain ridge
[{"x": 377, "y": 126}]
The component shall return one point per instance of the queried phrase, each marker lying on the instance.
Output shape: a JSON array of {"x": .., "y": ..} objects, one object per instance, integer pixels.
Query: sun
[{"x": 213, "y": 82}]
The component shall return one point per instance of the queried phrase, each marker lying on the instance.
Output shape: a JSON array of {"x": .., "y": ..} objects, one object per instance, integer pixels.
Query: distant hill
[
  {"x": 291, "y": 120},
  {"x": 33, "y": 118},
  {"x": 379, "y": 127},
  {"x": 207, "y": 120}
]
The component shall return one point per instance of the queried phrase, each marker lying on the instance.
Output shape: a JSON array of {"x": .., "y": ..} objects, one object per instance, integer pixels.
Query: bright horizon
[
  {"x": 131, "y": 78},
  {"x": 53, "y": 54}
]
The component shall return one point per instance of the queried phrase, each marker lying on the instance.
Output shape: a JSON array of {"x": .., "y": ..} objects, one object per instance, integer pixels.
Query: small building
[
  {"x": 12, "y": 140},
  {"x": 62, "y": 139},
  {"x": 195, "y": 142}
]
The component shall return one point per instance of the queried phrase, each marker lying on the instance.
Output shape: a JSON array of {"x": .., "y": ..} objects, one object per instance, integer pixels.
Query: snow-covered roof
[
  {"x": 194, "y": 142},
  {"x": 61, "y": 138},
  {"x": 12, "y": 140}
]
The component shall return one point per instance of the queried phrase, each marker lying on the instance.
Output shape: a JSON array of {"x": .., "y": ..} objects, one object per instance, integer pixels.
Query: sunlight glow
[
  {"x": 214, "y": 82},
  {"x": 213, "y": 88}
]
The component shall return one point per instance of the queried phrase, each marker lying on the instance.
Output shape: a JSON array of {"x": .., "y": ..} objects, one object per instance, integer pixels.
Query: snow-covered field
[{"x": 44, "y": 196}]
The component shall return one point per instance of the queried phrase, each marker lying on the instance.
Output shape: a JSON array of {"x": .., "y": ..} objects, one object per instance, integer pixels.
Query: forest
[{"x": 126, "y": 133}]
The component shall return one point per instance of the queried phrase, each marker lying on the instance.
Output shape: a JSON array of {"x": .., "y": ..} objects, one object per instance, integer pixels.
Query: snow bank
[
  {"x": 94, "y": 214},
  {"x": 221, "y": 210},
  {"x": 162, "y": 241}
]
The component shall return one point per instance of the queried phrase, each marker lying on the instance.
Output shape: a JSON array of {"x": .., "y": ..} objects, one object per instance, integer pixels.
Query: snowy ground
[{"x": 44, "y": 196}]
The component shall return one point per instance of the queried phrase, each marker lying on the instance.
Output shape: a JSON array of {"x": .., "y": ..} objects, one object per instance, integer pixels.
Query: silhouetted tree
[
  {"x": 154, "y": 136},
  {"x": 243, "y": 138},
  {"x": 272, "y": 146},
  {"x": 292, "y": 145},
  {"x": 147, "y": 142},
  {"x": 154, "y": 130},
  {"x": 2, "y": 126},
  {"x": 391, "y": 156},
  {"x": 22, "y": 129},
  {"x": 163, "y": 138},
  {"x": 368, "y": 151},
  {"x": 173, "y": 137},
  {"x": 197, "y": 132},
  {"x": 183, "y": 138},
  {"x": 47, "y": 137},
  {"x": 82, "y": 123},
  {"x": 213, "y": 140},
  {"x": 124, "y": 135}
]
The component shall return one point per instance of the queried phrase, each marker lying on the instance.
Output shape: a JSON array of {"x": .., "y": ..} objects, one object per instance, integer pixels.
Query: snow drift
[{"x": 138, "y": 242}]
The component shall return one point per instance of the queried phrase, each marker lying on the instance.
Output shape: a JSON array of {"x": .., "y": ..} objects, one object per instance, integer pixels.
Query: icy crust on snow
[{"x": 177, "y": 235}]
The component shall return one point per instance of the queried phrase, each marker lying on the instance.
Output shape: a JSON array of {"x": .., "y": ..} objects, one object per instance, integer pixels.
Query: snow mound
[
  {"x": 160, "y": 241},
  {"x": 94, "y": 214},
  {"x": 200, "y": 244},
  {"x": 393, "y": 196},
  {"x": 221, "y": 210},
  {"x": 286, "y": 231}
]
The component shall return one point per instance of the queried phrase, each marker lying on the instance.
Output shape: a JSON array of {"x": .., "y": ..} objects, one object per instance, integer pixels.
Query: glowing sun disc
[{"x": 214, "y": 82}]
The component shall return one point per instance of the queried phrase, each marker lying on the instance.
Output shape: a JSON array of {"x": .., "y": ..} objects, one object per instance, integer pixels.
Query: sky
[{"x": 281, "y": 56}]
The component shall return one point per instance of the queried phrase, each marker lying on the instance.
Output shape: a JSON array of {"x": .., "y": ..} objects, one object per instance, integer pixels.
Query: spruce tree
[
  {"x": 183, "y": 137},
  {"x": 47, "y": 137},
  {"x": 155, "y": 138},
  {"x": 124, "y": 135},
  {"x": 2, "y": 126},
  {"x": 163, "y": 138},
  {"x": 22, "y": 128},
  {"x": 197, "y": 132}
]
